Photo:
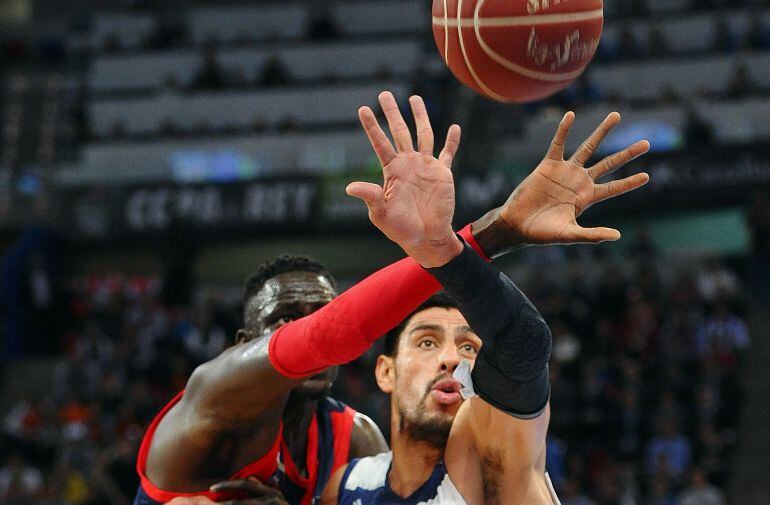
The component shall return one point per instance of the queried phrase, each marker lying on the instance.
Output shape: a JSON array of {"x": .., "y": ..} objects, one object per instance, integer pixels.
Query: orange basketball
[{"x": 517, "y": 50}]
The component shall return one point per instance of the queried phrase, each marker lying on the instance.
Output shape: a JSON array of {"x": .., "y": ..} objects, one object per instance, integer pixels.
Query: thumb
[
  {"x": 368, "y": 192},
  {"x": 594, "y": 235}
]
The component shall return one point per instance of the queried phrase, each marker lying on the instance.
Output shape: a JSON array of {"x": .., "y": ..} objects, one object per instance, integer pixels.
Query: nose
[{"x": 450, "y": 359}]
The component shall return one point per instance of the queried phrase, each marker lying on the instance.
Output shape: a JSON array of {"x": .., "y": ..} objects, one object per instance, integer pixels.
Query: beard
[{"x": 420, "y": 424}]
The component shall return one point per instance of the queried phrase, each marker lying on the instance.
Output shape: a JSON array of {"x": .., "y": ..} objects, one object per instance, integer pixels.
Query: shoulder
[
  {"x": 366, "y": 438},
  {"x": 356, "y": 479},
  {"x": 367, "y": 474},
  {"x": 331, "y": 491}
]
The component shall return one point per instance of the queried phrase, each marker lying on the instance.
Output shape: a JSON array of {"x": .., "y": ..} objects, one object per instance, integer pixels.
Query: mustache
[{"x": 439, "y": 377}]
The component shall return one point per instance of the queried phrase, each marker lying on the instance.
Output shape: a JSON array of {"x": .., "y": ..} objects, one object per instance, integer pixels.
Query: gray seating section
[
  {"x": 274, "y": 153},
  {"x": 237, "y": 109},
  {"x": 733, "y": 121},
  {"x": 649, "y": 79},
  {"x": 692, "y": 33},
  {"x": 130, "y": 30},
  {"x": 277, "y": 21},
  {"x": 305, "y": 62}
]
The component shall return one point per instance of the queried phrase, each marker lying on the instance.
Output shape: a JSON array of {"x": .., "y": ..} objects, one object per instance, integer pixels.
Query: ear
[
  {"x": 385, "y": 373},
  {"x": 243, "y": 335}
]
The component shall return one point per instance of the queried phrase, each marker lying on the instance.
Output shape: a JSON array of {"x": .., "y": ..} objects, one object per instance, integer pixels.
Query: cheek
[{"x": 412, "y": 377}]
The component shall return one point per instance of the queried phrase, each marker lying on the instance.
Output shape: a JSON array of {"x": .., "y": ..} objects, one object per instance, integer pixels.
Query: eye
[
  {"x": 427, "y": 344},
  {"x": 468, "y": 349}
]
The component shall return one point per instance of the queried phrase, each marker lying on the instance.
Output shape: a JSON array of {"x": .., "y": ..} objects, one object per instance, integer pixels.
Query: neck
[
  {"x": 297, "y": 416},
  {"x": 413, "y": 461}
]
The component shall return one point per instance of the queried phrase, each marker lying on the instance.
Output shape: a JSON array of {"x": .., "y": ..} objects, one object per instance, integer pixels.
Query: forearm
[
  {"x": 511, "y": 369},
  {"x": 346, "y": 328}
]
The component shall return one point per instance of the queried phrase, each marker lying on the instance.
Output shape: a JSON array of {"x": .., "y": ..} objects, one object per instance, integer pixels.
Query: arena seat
[
  {"x": 317, "y": 105},
  {"x": 382, "y": 16},
  {"x": 750, "y": 114},
  {"x": 130, "y": 30},
  {"x": 277, "y": 21},
  {"x": 690, "y": 33},
  {"x": 272, "y": 153},
  {"x": 648, "y": 80},
  {"x": 306, "y": 62}
]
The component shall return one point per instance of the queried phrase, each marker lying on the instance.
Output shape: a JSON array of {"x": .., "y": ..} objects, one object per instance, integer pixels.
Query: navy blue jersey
[{"x": 365, "y": 482}]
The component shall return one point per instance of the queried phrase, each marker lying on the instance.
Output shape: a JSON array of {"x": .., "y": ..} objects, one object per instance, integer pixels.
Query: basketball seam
[
  {"x": 446, "y": 33},
  {"x": 539, "y": 19},
  {"x": 475, "y": 77},
  {"x": 508, "y": 64}
]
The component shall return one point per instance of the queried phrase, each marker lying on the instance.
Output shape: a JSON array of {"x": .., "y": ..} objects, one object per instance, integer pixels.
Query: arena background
[{"x": 153, "y": 153}]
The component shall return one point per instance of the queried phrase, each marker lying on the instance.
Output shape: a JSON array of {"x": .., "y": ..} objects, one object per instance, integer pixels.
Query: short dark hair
[
  {"x": 441, "y": 300},
  {"x": 281, "y": 265}
]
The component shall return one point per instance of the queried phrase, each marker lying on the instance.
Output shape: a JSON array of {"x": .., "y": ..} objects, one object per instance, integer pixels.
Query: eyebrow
[{"x": 426, "y": 326}]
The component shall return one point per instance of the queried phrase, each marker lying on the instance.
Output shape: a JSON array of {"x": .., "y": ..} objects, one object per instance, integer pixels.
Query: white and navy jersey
[{"x": 365, "y": 482}]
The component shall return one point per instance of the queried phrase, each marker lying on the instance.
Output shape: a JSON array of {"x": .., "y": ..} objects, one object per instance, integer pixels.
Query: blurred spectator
[
  {"x": 204, "y": 338},
  {"x": 112, "y": 43},
  {"x": 571, "y": 494},
  {"x": 741, "y": 84},
  {"x": 661, "y": 492},
  {"x": 758, "y": 35},
  {"x": 700, "y": 492},
  {"x": 723, "y": 335},
  {"x": 19, "y": 481},
  {"x": 724, "y": 38},
  {"x": 657, "y": 43},
  {"x": 322, "y": 25},
  {"x": 697, "y": 131},
  {"x": 210, "y": 76},
  {"x": 715, "y": 281},
  {"x": 581, "y": 92},
  {"x": 669, "y": 452},
  {"x": 642, "y": 245},
  {"x": 628, "y": 46},
  {"x": 274, "y": 72}
]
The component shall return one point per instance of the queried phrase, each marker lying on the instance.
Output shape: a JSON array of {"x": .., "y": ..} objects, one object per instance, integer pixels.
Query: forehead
[
  {"x": 446, "y": 318},
  {"x": 304, "y": 287}
]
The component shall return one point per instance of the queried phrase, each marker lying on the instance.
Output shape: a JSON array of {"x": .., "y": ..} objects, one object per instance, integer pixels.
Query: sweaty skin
[
  {"x": 233, "y": 405},
  {"x": 491, "y": 456},
  {"x": 542, "y": 209}
]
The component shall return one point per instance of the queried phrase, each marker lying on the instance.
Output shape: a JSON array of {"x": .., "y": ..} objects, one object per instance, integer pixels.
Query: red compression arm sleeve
[{"x": 347, "y": 326}]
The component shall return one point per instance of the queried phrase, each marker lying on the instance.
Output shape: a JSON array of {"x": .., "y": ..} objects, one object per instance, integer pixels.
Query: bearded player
[
  {"x": 490, "y": 449},
  {"x": 543, "y": 209}
]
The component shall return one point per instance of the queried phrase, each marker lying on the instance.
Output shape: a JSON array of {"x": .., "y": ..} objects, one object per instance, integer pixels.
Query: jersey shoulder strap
[
  {"x": 335, "y": 427},
  {"x": 364, "y": 478}
]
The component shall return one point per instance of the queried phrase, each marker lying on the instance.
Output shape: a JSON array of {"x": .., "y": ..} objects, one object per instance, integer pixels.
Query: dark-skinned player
[{"x": 231, "y": 421}]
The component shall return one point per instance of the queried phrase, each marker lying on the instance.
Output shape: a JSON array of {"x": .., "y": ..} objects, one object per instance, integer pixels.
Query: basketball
[{"x": 517, "y": 51}]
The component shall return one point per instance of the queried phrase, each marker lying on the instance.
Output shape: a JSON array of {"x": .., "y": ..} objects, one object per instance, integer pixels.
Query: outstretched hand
[
  {"x": 415, "y": 205},
  {"x": 544, "y": 208}
]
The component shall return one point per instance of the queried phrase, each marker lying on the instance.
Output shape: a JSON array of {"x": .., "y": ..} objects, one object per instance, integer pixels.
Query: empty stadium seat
[
  {"x": 237, "y": 109},
  {"x": 305, "y": 62}
]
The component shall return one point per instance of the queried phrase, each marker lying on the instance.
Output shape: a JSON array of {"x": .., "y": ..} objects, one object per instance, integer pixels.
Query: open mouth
[{"x": 446, "y": 391}]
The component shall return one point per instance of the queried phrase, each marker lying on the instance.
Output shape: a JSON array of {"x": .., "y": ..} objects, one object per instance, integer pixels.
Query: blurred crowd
[{"x": 647, "y": 389}]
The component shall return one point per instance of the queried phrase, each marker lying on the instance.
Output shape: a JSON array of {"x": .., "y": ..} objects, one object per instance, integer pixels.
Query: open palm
[
  {"x": 544, "y": 208},
  {"x": 415, "y": 204}
]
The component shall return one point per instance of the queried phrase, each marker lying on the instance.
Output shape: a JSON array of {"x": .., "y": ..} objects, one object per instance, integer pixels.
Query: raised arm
[
  {"x": 503, "y": 431},
  {"x": 544, "y": 207},
  {"x": 245, "y": 388}
]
